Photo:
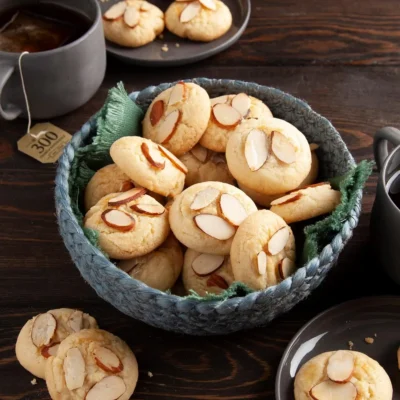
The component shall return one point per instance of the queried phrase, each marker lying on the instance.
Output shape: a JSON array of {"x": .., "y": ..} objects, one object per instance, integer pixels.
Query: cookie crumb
[
  {"x": 369, "y": 340},
  {"x": 164, "y": 48},
  {"x": 177, "y": 45},
  {"x": 161, "y": 36},
  {"x": 351, "y": 344},
  {"x": 150, "y": 374},
  {"x": 34, "y": 381}
]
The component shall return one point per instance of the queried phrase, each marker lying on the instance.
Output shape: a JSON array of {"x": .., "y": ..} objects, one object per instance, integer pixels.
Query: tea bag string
[{"x": 25, "y": 94}]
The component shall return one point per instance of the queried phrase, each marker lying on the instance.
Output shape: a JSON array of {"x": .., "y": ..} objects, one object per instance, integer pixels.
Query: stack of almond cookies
[{"x": 194, "y": 179}]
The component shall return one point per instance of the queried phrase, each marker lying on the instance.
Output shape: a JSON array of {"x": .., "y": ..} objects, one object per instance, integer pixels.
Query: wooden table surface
[{"x": 342, "y": 57}]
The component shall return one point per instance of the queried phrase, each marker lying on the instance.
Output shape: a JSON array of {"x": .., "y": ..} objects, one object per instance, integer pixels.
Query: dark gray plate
[
  {"x": 331, "y": 330},
  {"x": 188, "y": 52}
]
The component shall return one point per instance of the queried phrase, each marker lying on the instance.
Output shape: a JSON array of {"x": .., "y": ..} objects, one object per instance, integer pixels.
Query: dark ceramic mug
[
  {"x": 57, "y": 81},
  {"x": 385, "y": 218}
]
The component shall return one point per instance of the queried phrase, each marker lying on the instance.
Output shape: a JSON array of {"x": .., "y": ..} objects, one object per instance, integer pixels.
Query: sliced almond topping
[
  {"x": 340, "y": 366},
  {"x": 290, "y": 198},
  {"x": 210, "y": 4},
  {"x": 329, "y": 390},
  {"x": 278, "y": 241},
  {"x": 256, "y": 149},
  {"x": 48, "y": 351},
  {"x": 116, "y": 11},
  {"x": 154, "y": 157},
  {"x": 43, "y": 329},
  {"x": 190, "y": 11},
  {"x": 226, "y": 116},
  {"x": 174, "y": 160},
  {"x": 286, "y": 268},
  {"x": 232, "y": 209},
  {"x": 74, "y": 369},
  {"x": 262, "y": 259},
  {"x": 125, "y": 186},
  {"x": 75, "y": 321},
  {"x": 204, "y": 198},
  {"x": 241, "y": 102},
  {"x": 206, "y": 264},
  {"x": 282, "y": 148},
  {"x": 126, "y": 197},
  {"x": 214, "y": 226},
  {"x": 217, "y": 280},
  {"x": 219, "y": 100},
  {"x": 168, "y": 127},
  {"x": 314, "y": 146},
  {"x": 177, "y": 94},
  {"x": 131, "y": 17},
  {"x": 109, "y": 388},
  {"x": 200, "y": 153},
  {"x": 157, "y": 112},
  {"x": 148, "y": 209},
  {"x": 118, "y": 219},
  {"x": 107, "y": 360}
]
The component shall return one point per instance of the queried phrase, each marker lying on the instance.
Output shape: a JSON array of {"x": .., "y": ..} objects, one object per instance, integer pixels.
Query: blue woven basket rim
[{"x": 302, "y": 274}]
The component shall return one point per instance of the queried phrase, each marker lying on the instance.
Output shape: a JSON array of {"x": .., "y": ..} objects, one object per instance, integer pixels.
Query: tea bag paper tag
[{"x": 45, "y": 142}]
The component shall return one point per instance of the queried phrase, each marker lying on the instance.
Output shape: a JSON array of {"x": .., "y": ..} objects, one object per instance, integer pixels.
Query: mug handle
[
  {"x": 9, "y": 112},
  {"x": 381, "y": 139}
]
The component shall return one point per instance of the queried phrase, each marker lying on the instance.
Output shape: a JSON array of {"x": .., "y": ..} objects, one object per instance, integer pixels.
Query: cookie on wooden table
[
  {"x": 40, "y": 336},
  {"x": 130, "y": 224},
  {"x": 227, "y": 113},
  {"x": 270, "y": 156},
  {"x": 133, "y": 23},
  {"x": 263, "y": 251},
  {"x": 178, "y": 117},
  {"x": 92, "y": 365},
  {"x": 205, "y": 165},
  {"x": 203, "y": 20},
  {"x": 159, "y": 269},
  {"x": 344, "y": 375},
  {"x": 307, "y": 203},
  {"x": 149, "y": 165},
  {"x": 205, "y": 216},
  {"x": 206, "y": 273}
]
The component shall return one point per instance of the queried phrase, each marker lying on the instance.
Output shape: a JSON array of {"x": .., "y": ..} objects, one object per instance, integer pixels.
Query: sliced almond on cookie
[
  {"x": 132, "y": 17},
  {"x": 206, "y": 264},
  {"x": 116, "y": 11},
  {"x": 48, "y": 351},
  {"x": 256, "y": 149},
  {"x": 218, "y": 281},
  {"x": 290, "y": 198},
  {"x": 340, "y": 366},
  {"x": 43, "y": 329},
  {"x": 157, "y": 112},
  {"x": 177, "y": 94},
  {"x": 109, "y": 388},
  {"x": 148, "y": 209},
  {"x": 232, "y": 209},
  {"x": 107, "y": 360},
  {"x": 168, "y": 127},
  {"x": 126, "y": 197},
  {"x": 214, "y": 226},
  {"x": 314, "y": 146},
  {"x": 226, "y": 116},
  {"x": 262, "y": 260},
  {"x": 174, "y": 160},
  {"x": 125, "y": 186},
  {"x": 219, "y": 100},
  {"x": 75, "y": 321},
  {"x": 241, "y": 102},
  {"x": 328, "y": 390},
  {"x": 204, "y": 198},
  {"x": 210, "y": 4},
  {"x": 153, "y": 156},
  {"x": 286, "y": 268},
  {"x": 190, "y": 11},
  {"x": 282, "y": 148},
  {"x": 118, "y": 220},
  {"x": 74, "y": 369},
  {"x": 200, "y": 153},
  {"x": 278, "y": 241}
]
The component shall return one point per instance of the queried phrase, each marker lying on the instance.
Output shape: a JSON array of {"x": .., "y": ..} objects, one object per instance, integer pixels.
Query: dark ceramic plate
[
  {"x": 334, "y": 328},
  {"x": 188, "y": 52}
]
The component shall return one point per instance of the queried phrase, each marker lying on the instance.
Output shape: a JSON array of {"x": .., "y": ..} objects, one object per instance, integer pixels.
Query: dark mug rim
[
  {"x": 45, "y": 53},
  {"x": 385, "y": 184}
]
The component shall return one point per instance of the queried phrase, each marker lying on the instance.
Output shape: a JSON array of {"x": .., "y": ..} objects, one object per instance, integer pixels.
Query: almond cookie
[
  {"x": 203, "y": 20},
  {"x": 205, "y": 165},
  {"x": 344, "y": 375},
  {"x": 270, "y": 156},
  {"x": 263, "y": 251},
  {"x": 309, "y": 202},
  {"x": 227, "y": 113},
  {"x": 205, "y": 216},
  {"x": 206, "y": 273},
  {"x": 41, "y": 336},
  {"x": 130, "y": 224},
  {"x": 159, "y": 269},
  {"x": 92, "y": 365},
  {"x": 149, "y": 165},
  {"x": 133, "y": 23},
  {"x": 178, "y": 117}
]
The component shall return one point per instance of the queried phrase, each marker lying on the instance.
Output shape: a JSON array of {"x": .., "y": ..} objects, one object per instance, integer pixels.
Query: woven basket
[{"x": 195, "y": 317}]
